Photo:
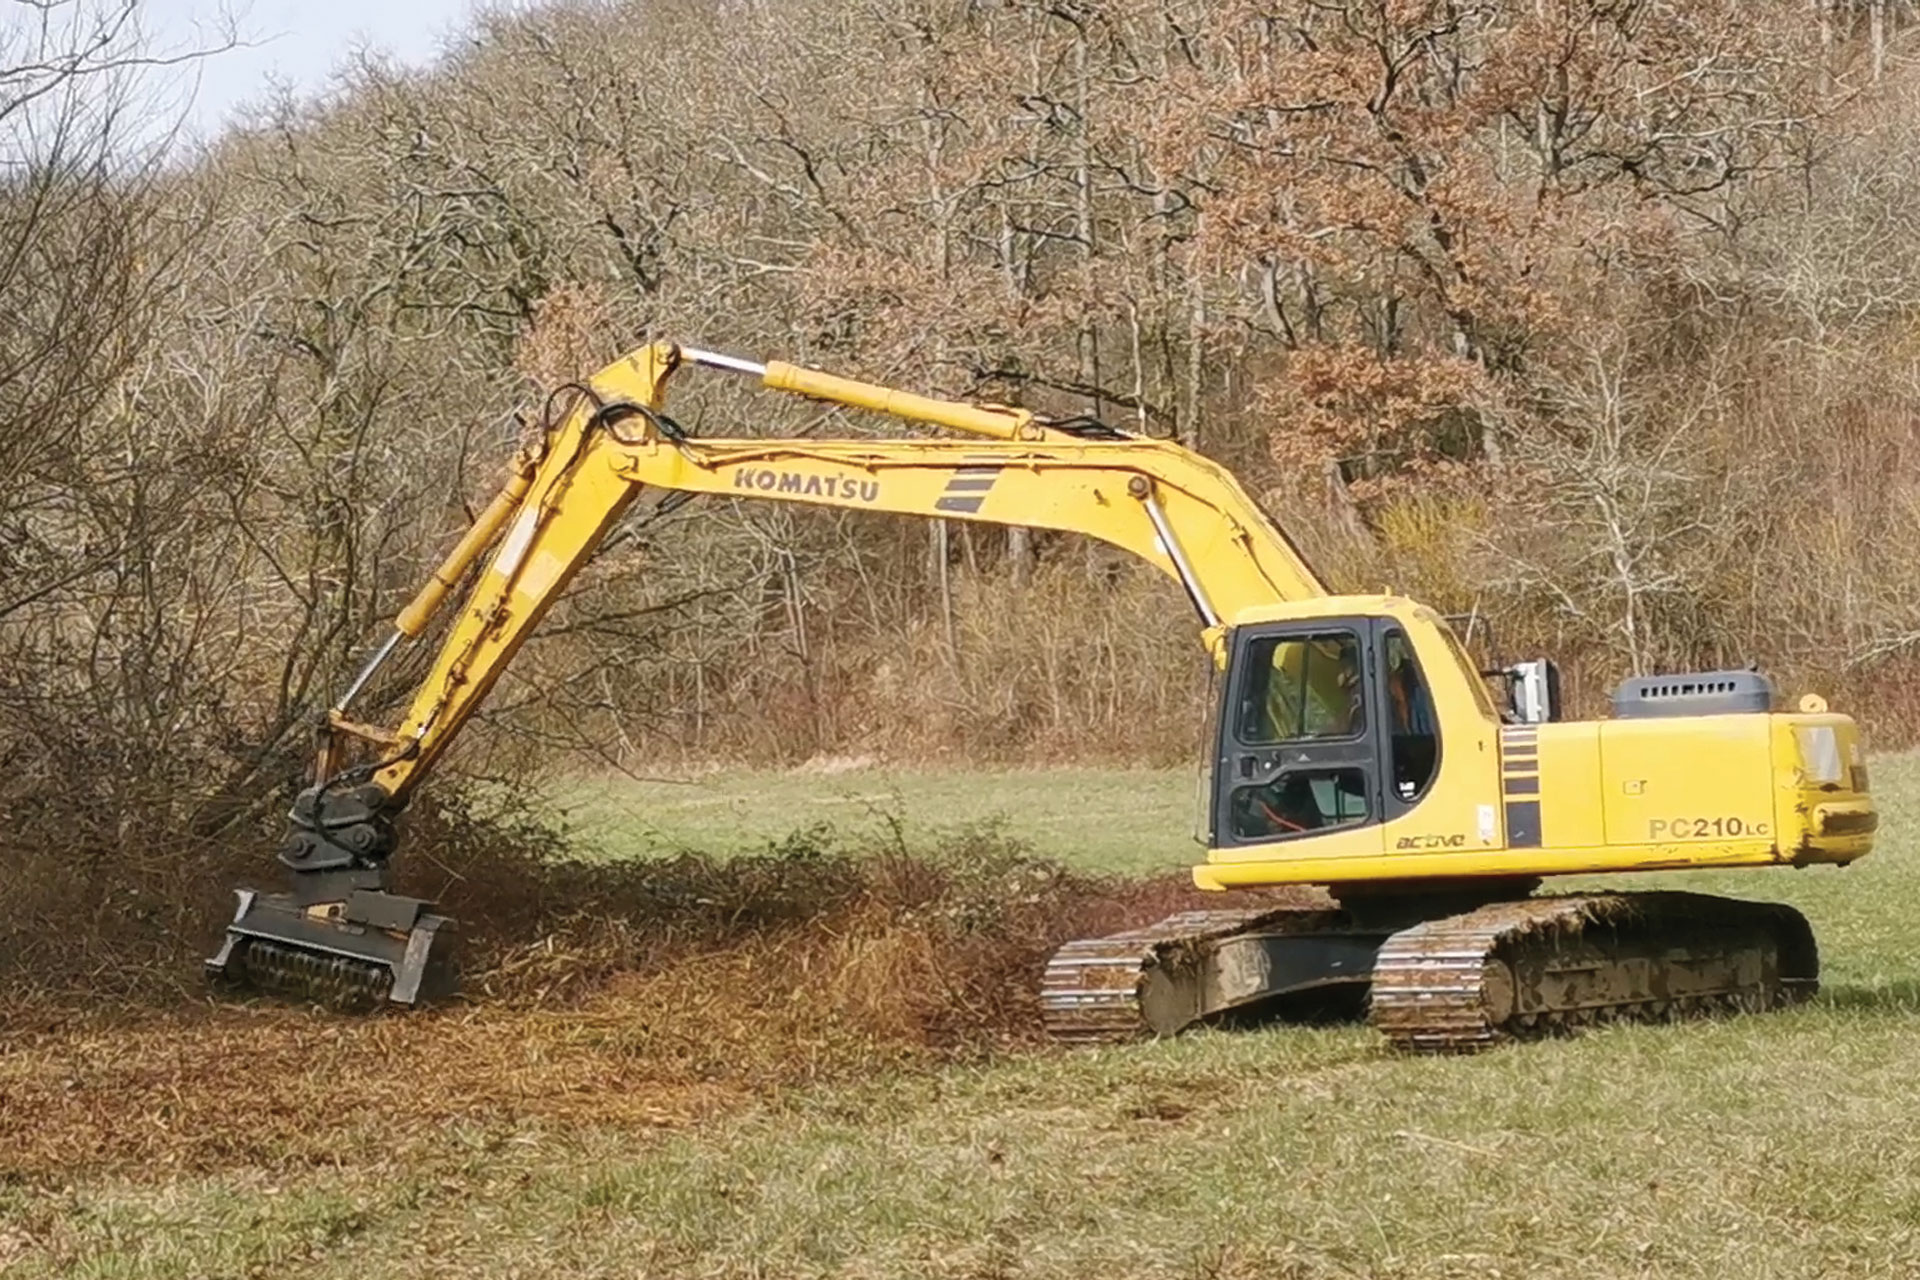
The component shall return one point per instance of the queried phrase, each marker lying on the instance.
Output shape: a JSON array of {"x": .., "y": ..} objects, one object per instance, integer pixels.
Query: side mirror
[{"x": 1533, "y": 691}]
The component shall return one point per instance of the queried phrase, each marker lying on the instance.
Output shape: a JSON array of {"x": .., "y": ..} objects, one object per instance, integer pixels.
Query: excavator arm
[
  {"x": 340, "y": 935},
  {"x": 1166, "y": 504}
]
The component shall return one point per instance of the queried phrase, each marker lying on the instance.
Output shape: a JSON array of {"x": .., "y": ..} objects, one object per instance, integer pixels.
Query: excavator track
[
  {"x": 1517, "y": 969},
  {"x": 1090, "y": 992},
  {"x": 1197, "y": 965},
  {"x": 1543, "y": 966}
]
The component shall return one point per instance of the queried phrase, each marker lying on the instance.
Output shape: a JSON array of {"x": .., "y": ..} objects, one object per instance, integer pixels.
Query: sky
[{"x": 298, "y": 42}]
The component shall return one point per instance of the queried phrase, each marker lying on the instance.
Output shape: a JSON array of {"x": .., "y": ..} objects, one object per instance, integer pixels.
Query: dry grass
[{"x": 222, "y": 1090}]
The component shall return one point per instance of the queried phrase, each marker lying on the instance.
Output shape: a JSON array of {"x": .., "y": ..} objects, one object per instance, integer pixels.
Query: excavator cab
[{"x": 1326, "y": 724}]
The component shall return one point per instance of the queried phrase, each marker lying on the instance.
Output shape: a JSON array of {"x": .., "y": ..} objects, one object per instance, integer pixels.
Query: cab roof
[{"x": 1368, "y": 606}]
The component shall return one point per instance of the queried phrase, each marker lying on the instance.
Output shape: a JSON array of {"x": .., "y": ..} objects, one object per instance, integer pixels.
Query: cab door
[{"x": 1300, "y": 749}]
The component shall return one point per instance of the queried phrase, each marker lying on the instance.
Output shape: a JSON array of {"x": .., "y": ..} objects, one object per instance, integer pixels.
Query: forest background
[{"x": 1595, "y": 318}]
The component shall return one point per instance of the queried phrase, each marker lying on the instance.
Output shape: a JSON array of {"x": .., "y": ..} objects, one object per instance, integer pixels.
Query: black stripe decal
[
  {"x": 1520, "y": 776},
  {"x": 1523, "y": 824},
  {"x": 966, "y": 489}
]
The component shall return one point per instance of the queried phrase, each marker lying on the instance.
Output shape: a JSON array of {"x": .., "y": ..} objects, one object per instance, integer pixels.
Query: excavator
[{"x": 1355, "y": 746}]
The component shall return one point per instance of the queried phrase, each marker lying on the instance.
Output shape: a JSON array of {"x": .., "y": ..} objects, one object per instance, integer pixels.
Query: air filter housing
[{"x": 1700, "y": 693}]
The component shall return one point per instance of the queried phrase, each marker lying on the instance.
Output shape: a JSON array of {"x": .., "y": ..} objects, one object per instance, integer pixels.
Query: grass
[
  {"x": 1119, "y": 821},
  {"x": 1774, "y": 1146}
]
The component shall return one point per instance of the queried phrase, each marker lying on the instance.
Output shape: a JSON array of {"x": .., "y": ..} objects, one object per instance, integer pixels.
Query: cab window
[
  {"x": 1300, "y": 800},
  {"x": 1302, "y": 688},
  {"x": 1412, "y": 726}
]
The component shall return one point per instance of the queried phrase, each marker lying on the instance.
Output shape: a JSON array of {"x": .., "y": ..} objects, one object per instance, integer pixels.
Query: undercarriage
[{"x": 1508, "y": 969}]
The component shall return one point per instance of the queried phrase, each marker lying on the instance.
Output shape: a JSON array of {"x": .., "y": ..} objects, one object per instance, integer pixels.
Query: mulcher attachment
[
  {"x": 338, "y": 938},
  {"x": 355, "y": 955}
]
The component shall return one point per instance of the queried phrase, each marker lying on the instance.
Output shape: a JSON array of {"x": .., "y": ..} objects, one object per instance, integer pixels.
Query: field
[
  {"x": 1776, "y": 1146},
  {"x": 1122, "y": 821}
]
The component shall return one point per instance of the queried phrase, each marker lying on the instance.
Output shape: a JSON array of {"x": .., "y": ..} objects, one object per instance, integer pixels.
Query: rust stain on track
[{"x": 1090, "y": 991}]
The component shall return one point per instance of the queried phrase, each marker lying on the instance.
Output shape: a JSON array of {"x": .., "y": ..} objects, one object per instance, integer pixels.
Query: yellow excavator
[{"x": 1356, "y": 747}]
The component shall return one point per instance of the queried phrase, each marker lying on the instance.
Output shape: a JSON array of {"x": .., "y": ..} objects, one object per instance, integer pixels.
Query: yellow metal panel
[
  {"x": 1460, "y": 810},
  {"x": 1080, "y": 487},
  {"x": 1687, "y": 780},
  {"x": 1572, "y": 814}
]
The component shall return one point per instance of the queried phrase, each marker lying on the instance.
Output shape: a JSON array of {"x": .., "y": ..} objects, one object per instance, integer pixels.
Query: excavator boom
[{"x": 340, "y": 932}]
